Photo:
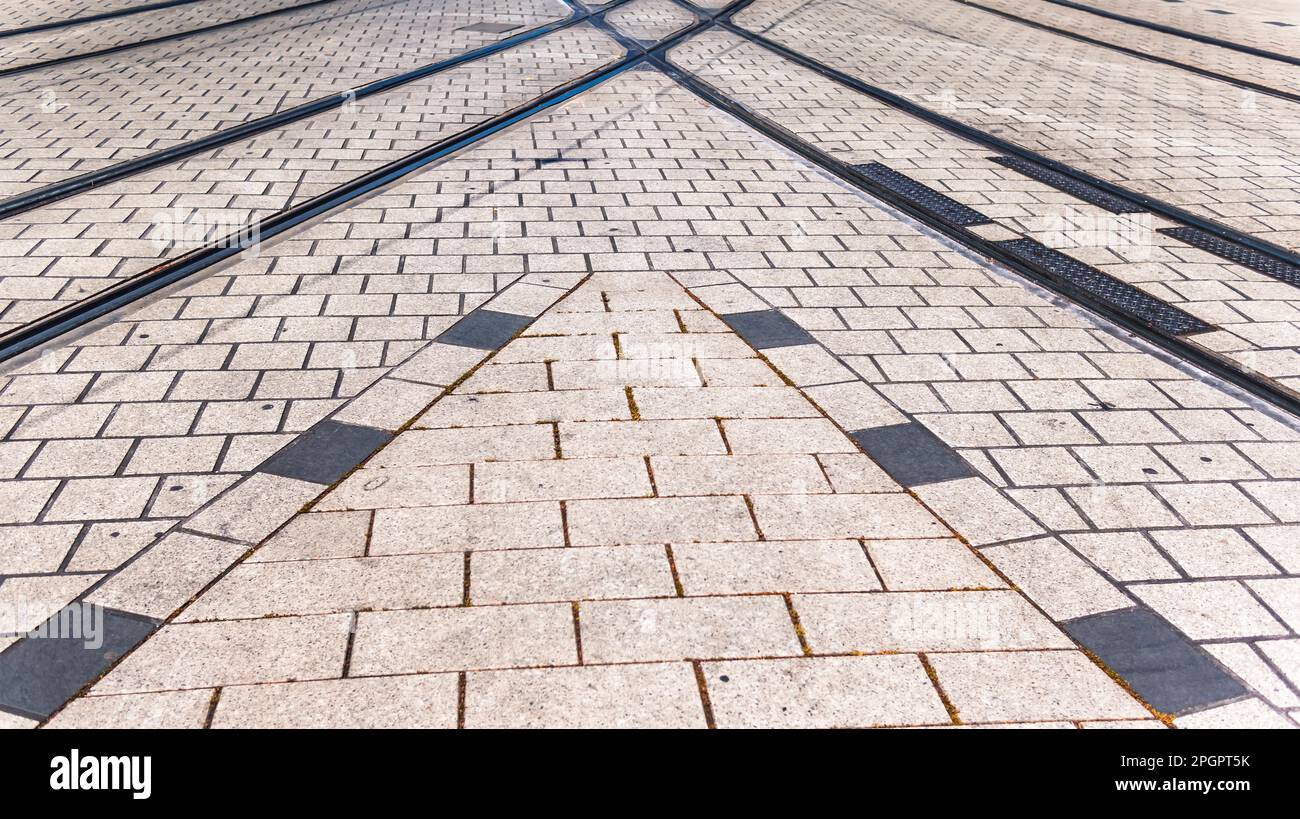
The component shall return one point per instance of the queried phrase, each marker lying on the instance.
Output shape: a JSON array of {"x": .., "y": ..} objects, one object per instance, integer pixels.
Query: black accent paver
[
  {"x": 764, "y": 329},
  {"x": 1239, "y": 254},
  {"x": 40, "y": 673},
  {"x": 1165, "y": 668},
  {"x": 484, "y": 330},
  {"x": 491, "y": 28},
  {"x": 923, "y": 197},
  {"x": 1119, "y": 295},
  {"x": 912, "y": 454},
  {"x": 326, "y": 452},
  {"x": 1068, "y": 184}
]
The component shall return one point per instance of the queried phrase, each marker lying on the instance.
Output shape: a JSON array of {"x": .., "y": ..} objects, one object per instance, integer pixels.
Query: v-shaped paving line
[
  {"x": 624, "y": 517},
  {"x": 40, "y": 672}
]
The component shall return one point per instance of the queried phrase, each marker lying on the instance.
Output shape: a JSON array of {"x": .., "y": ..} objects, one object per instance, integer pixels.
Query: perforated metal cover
[
  {"x": 1119, "y": 295},
  {"x": 1240, "y": 254},
  {"x": 1068, "y": 184},
  {"x": 922, "y": 197}
]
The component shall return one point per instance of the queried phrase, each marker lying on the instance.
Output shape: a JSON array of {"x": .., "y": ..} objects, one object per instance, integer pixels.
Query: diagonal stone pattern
[
  {"x": 782, "y": 458},
  {"x": 1217, "y": 150},
  {"x": 1250, "y": 312},
  {"x": 1221, "y": 60},
  {"x": 100, "y": 35},
  {"x": 21, "y": 14},
  {"x": 68, "y": 120},
  {"x": 1249, "y": 24},
  {"x": 654, "y": 558},
  {"x": 68, "y": 250}
]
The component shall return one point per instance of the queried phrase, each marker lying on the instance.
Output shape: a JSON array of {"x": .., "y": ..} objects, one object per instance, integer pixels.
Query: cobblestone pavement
[
  {"x": 628, "y": 415},
  {"x": 21, "y": 14},
  {"x": 1220, "y": 151},
  {"x": 650, "y": 20},
  {"x": 222, "y": 373},
  {"x": 60, "y": 122},
  {"x": 1251, "y": 314},
  {"x": 164, "y": 213},
  {"x": 1238, "y": 65},
  {"x": 1271, "y": 25},
  {"x": 93, "y": 36}
]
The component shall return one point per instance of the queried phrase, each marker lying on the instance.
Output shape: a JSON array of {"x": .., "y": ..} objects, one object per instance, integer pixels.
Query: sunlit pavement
[{"x": 437, "y": 363}]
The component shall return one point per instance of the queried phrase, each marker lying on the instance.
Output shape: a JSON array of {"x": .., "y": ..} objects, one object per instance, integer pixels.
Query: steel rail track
[
  {"x": 19, "y": 340},
  {"x": 72, "y": 186},
  {"x": 1190, "y": 35}
]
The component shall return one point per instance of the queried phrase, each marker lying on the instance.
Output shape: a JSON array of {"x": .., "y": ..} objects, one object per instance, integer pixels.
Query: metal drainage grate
[
  {"x": 1068, "y": 184},
  {"x": 1240, "y": 254},
  {"x": 922, "y": 197},
  {"x": 1119, "y": 295}
]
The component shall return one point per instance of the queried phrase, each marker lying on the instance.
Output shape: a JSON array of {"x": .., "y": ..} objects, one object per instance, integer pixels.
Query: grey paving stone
[
  {"x": 1040, "y": 70},
  {"x": 484, "y": 329},
  {"x": 91, "y": 36},
  {"x": 1236, "y": 27},
  {"x": 912, "y": 454},
  {"x": 164, "y": 709},
  {"x": 895, "y": 290},
  {"x": 251, "y": 178},
  {"x": 490, "y": 28},
  {"x": 326, "y": 452},
  {"x": 1165, "y": 668},
  {"x": 767, "y": 328},
  {"x": 1253, "y": 335},
  {"x": 649, "y": 20},
  {"x": 39, "y": 674}
]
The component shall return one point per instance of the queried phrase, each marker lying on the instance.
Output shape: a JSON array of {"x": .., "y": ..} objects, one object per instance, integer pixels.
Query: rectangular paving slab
[
  {"x": 912, "y": 454},
  {"x": 1164, "y": 667},
  {"x": 727, "y": 574},
  {"x": 765, "y": 329},
  {"x": 484, "y": 329},
  {"x": 39, "y": 673},
  {"x": 326, "y": 452}
]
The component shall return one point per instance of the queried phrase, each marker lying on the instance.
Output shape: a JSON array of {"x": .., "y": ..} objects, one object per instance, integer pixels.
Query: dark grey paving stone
[
  {"x": 326, "y": 452},
  {"x": 912, "y": 454},
  {"x": 767, "y": 328},
  {"x": 491, "y": 28},
  {"x": 1165, "y": 668},
  {"x": 39, "y": 674},
  {"x": 484, "y": 330}
]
